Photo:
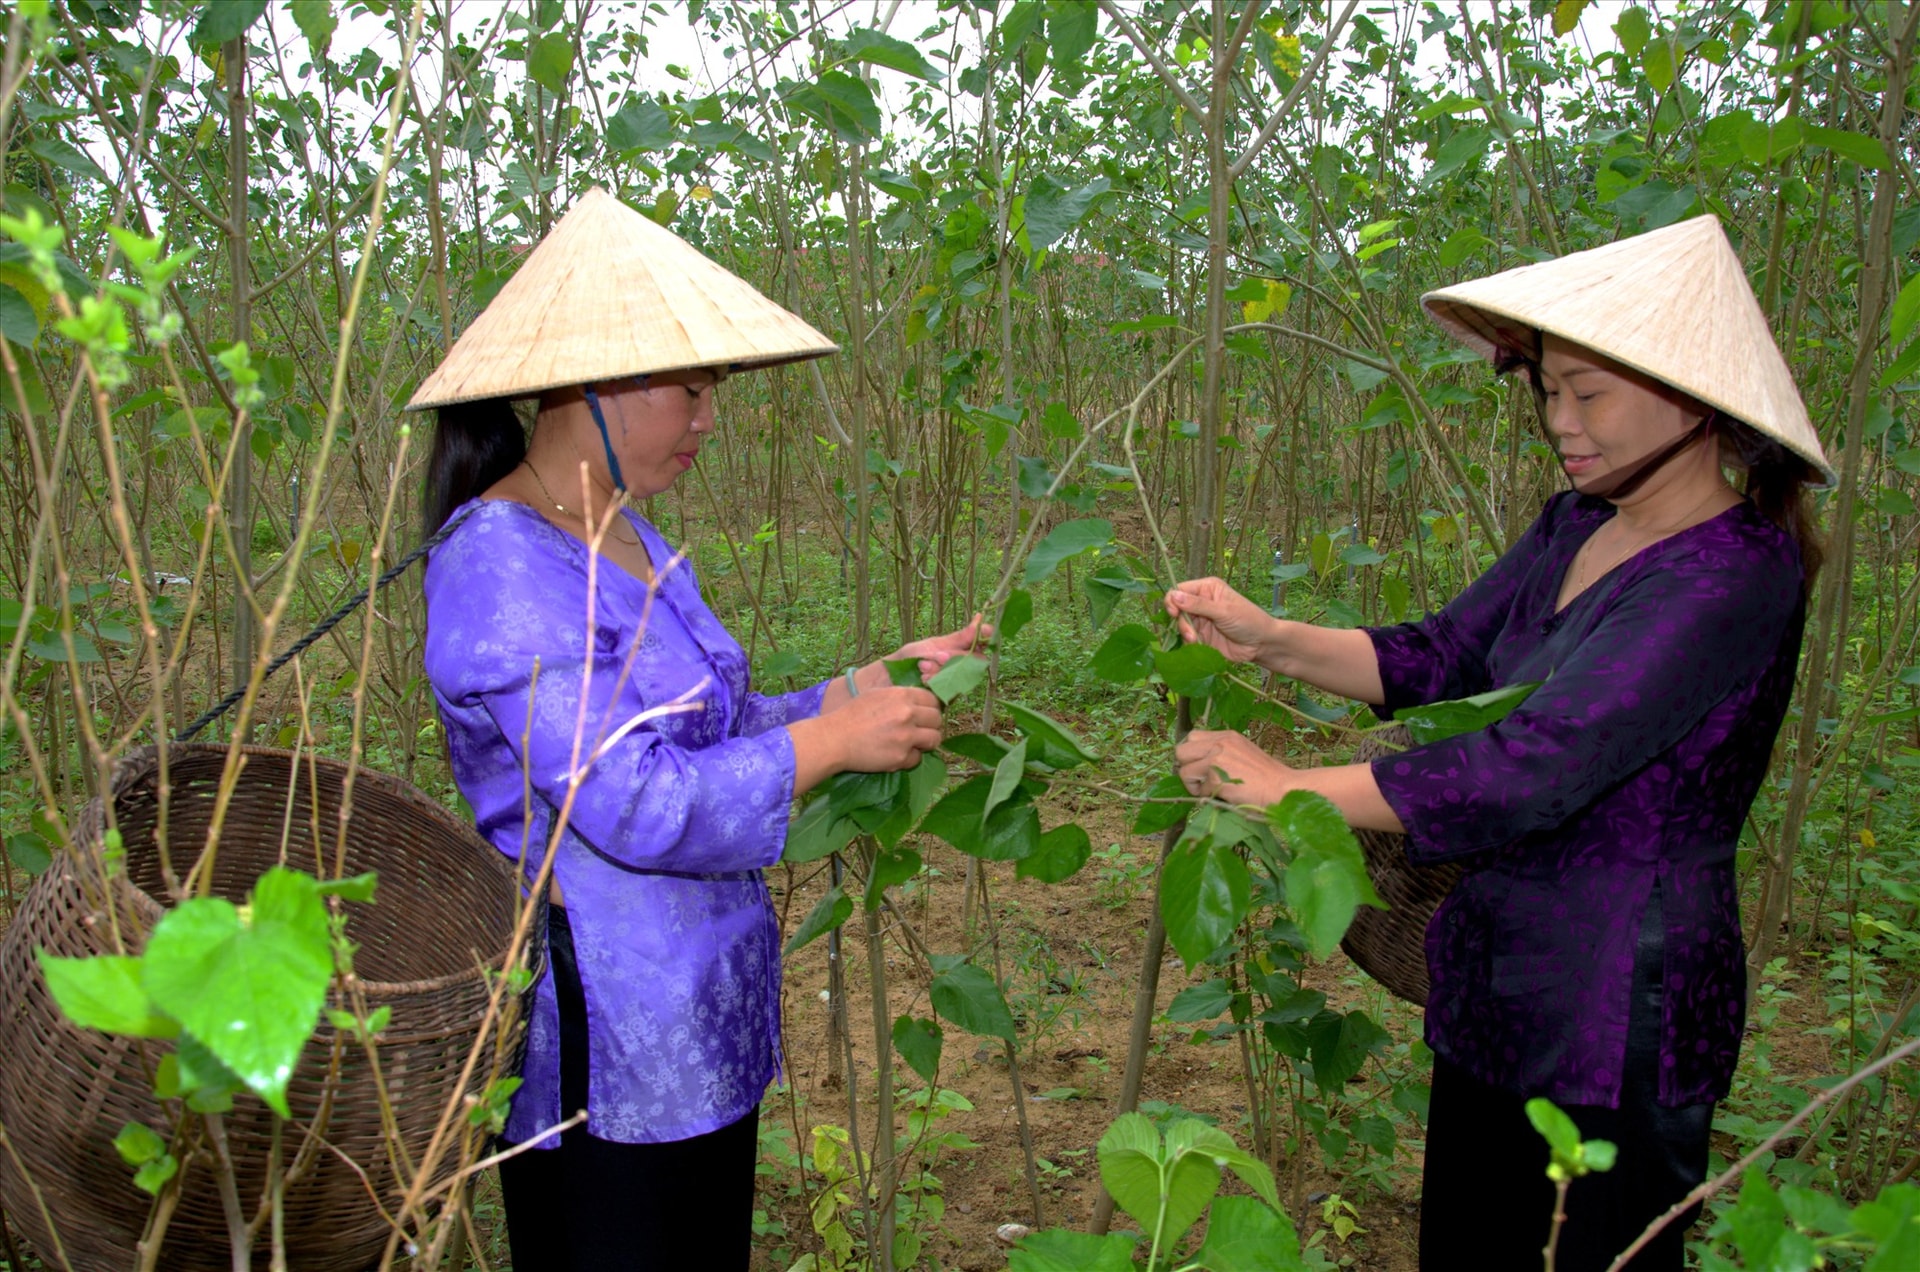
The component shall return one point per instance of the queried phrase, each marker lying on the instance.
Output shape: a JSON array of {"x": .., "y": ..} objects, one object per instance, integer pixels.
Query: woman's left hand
[
  {"x": 935, "y": 652},
  {"x": 1216, "y": 762}
]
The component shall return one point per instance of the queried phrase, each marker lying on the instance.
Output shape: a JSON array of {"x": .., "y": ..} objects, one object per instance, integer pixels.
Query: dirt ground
[{"x": 1083, "y": 940}]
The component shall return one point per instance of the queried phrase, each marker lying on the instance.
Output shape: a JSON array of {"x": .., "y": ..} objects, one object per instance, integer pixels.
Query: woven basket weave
[
  {"x": 1391, "y": 945},
  {"x": 442, "y": 920}
]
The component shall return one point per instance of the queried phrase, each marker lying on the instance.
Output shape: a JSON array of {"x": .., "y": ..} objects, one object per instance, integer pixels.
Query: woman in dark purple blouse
[{"x": 1591, "y": 953}]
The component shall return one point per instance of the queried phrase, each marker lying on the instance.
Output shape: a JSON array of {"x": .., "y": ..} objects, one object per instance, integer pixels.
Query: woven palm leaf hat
[
  {"x": 1673, "y": 303},
  {"x": 606, "y": 295}
]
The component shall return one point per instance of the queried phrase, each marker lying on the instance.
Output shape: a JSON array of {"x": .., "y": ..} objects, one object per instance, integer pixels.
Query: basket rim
[{"x": 139, "y": 763}]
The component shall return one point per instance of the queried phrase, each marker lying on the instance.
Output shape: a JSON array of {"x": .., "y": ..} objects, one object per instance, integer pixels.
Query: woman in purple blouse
[
  {"x": 1591, "y": 953},
  {"x": 597, "y": 680}
]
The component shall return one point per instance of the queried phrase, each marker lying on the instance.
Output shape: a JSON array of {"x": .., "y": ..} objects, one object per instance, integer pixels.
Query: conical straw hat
[
  {"x": 1673, "y": 303},
  {"x": 607, "y": 294}
]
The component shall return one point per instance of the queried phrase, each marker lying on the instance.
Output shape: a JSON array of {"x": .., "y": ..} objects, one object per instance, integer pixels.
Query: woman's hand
[
  {"x": 935, "y": 652},
  {"x": 1216, "y": 762},
  {"x": 1209, "y": 612},
  {"x": 881, "y": 731}
]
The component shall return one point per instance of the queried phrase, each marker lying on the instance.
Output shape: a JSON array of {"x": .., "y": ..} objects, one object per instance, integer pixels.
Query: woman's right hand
[
  {"x": 888, "y": 729},
  {"x": 880, "y": 731},
  {"x": 1209, "y": 612}
]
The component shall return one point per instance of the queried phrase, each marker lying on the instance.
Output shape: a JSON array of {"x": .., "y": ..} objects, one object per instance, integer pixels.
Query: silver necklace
[{"x": 563, "y": 510}]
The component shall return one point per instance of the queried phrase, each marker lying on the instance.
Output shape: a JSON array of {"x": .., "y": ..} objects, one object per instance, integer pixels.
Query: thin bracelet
[{"x": 853, "y": 686}]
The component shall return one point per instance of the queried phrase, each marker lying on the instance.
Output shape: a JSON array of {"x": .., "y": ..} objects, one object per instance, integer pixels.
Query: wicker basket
[
  {"x": 1391, "y": 945},
  {"x": 443, "y": 918}
]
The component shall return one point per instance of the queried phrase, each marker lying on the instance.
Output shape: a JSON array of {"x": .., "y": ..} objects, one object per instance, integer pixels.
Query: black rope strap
[{"x": 327, "y": 624}]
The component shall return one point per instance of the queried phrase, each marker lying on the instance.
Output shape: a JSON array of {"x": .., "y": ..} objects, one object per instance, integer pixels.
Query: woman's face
[
  {"x": 657, "y": 429},
  {"x": 1603, "y": 416}
]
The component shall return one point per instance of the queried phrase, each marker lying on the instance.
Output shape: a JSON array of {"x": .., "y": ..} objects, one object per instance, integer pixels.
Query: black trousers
[
  {"x": 1486, "y": 1202},
  {"x": 593, "y": 1205}
]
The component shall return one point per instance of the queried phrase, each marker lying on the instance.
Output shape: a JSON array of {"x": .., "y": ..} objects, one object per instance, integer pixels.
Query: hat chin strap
[
  {"x": 1622, "y": 482},
  {"x": 613, "y": 463}
]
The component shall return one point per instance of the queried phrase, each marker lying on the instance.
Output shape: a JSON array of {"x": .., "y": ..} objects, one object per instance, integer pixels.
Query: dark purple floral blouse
[{"x": 1634, "y": 764}]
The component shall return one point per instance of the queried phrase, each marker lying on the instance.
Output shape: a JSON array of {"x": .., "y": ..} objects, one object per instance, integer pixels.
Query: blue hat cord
[{"x": 613, "y": 464}]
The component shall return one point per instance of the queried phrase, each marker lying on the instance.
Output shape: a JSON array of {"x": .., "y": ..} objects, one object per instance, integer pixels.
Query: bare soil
[{"x": 1071, "y": 954}]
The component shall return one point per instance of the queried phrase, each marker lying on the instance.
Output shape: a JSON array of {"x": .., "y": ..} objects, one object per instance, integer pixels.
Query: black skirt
[
  {"x": 592, "y": 1204},
  {"x": 1486, "y": 1202}
]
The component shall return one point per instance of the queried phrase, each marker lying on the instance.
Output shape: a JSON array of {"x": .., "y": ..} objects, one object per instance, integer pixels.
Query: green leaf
[
  {"x": 316, "y": 21},
  {"x": 550, "y": 61},
  {"x": 923, "y": 782},
  {"x": 1461, "y": 244},
  {"x": 18, "y": 322},
  {"x": 1016, "y": 614},
  {"x": 1661, "y": 62},
  {"x": 1200, "y": 1137},
  {"x": 1633, "y": 29},
  {"x": 1130, "y": 1157},
  {"x": 1006, "y": 778},
  {"x": 1243, "y": 1235},
  {"x": 918, "y": 1042},
  {"x": 1438, "y": 720},
  {"x": 360, "y": 887},
  {"x": 842, "y": 102},
  {"x": 1906, "y": 311},
  {"x": 1892, "y": 1219},
  {"x": 982, "y": 748},
  {"x": 1339, "y": 1046},
  {"x": 1903, "y": 366},
  {"x": 66, "y": 157},
  {"x": 1034, "y": 480},
  {"x": 153, "y": 1176},
  {"x": 1126, "y": 655},
  {"x": 104, "y": 993},
  {"x": 1451, "y": 104},
  {"x": 137, "y": 1145},
  {"x": 827, "y": 914},
  {"x": 1326, "y": 889},
  {"x": 1062, "y": 851},
  {"x": 890, "y": 868},
  {"x": 876, "y": 48},
  {"x": 959, "y": 677},
  {"x": 967, "y": 997},
  {"x": 1562, "y": 1136},
  {"x": 1011, "y": 833},
  {"x": 1464, "y": 147},
  {"x": 1769, "y": 143},
  {"x": 640, "y": 124},
  {"x": 1053, "y": 744},
  {"x": 1204, "y": 894},
  {"x": 1566, "y": 16},
  {"x": 1069, "y": 1250},
  {"x": 1068, "y": 539},
  {"x": 1858, "y": 147},
  {"x": 1205, "y": 1001},
  {"x": 1157, "y": 816},
  {"x": 1052, "y": 210},
  {"x": 250, "y": 989},
  {"x": 223, "y": 20},
  {"x": 817, "y": 832},
  {"x": 1072, "y": 29},
  {"x": 1193, "y": 670},
  {"x": 1192, "y": 1173},
  {"x": 30, "y": 852}
]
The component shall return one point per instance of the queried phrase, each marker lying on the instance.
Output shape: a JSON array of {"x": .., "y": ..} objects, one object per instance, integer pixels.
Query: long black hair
[
  {"x": 1780, "y": 485},
  {"x": 475, "y": 444}
]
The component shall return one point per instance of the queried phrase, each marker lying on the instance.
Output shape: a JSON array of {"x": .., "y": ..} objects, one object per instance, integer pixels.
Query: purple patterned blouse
[
  {"x": 677, "y": 942},
  {"x": 1632, "y": 766}
]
